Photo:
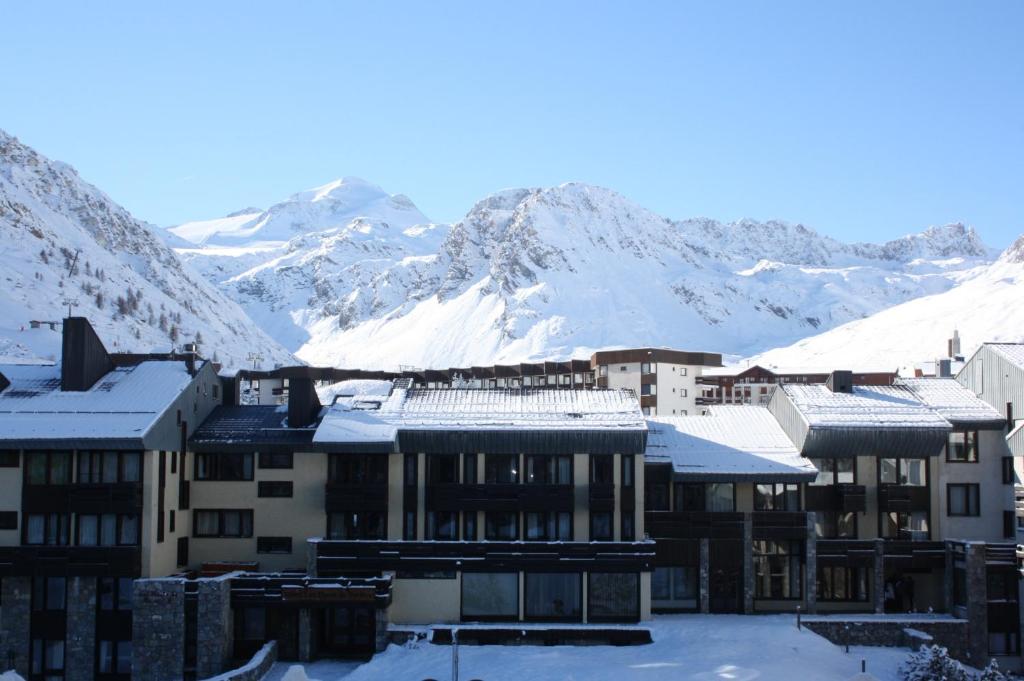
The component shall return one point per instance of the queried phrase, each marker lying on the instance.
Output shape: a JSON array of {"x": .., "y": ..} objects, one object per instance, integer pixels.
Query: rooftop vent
[
  {"x": 303, "y": 403},
  {"x": 840, "y": 382}
]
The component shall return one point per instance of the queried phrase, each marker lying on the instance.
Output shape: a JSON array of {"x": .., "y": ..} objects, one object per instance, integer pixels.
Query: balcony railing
[
  {"x": 902, "y": 498},
  {"x": 845, "y": 497},
  {"x": 498, "y": 497},
  {"x": 114, "y": 497},
  {"x": 356, "y": 496}
]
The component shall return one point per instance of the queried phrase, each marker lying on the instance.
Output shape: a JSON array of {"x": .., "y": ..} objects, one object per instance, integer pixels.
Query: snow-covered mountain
[
  {"x": 65, "y": 241},
  {"x": 550, "y": 273},
  {"x": 986, "y": 307}
]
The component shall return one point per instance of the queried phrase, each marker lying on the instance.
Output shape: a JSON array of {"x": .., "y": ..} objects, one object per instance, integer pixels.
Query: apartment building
[
  {"x": 88, "y": 449},
  {"x": 665, "y": 380},
  {"x": 754, "y": 384}
]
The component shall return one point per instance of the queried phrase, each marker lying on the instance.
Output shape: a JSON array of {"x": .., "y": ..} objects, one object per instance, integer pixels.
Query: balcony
[
  {"x": 84, "y": 561},
  {"x": 846, "y": 498},
  {"x": 356, "y": 496},
  {"x": 693, "y": 525},
  {"x": 602, "y": 496},
  {"x": 895, "y": 552},
  {"x": 902, "y": 498},
  {"x": 117, "y": 497},
  {"x": 498, "y": 497}
]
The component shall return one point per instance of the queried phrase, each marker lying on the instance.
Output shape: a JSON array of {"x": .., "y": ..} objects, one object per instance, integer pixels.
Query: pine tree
[
  {"x": 163, "y": 322},
  {"x": 99, "y": 299},
  {"x": 173, "y": 333},
  {"x": 42, "y": 256},
  {"x": 993, "y": 673},
  {"x": 932, "y": 663},
  {"x": 199, "y": 338}
]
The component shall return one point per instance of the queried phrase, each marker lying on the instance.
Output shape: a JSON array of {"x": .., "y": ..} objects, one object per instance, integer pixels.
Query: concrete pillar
[
  {"x": 947, "y": 579},
  {"x": 383, "y": 637},
  {"x": 80, "y": 645},
  {"x": 15, "y": 623},
  {"x": 311, "y": 566},
  {"x": 214, "y": 626},
  {"x": 305, "y": 635},
  {"x": 748, "y": 564},
  {"x": 705, "y": 575},
  {"x": 158, "y": 630},
  {"x": 811, "y": 566},
  {"x": 879, "y": 576},
  {"x": 977, "y": 604}
]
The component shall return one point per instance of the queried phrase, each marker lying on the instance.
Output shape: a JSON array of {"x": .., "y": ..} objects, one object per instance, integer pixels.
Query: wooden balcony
[
  {"x": 602, "y": 496},
  {"x": 119, "y": 497},
  {"x": 498, "y": 497},
  {"x": 83, "y": 561},
  {"x": 845, "y": 498},
  {"x": 355, "y": 497}
]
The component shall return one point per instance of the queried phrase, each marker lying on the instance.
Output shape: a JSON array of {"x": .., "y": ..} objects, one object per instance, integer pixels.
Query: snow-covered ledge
[{"x": 253, "y": 670}]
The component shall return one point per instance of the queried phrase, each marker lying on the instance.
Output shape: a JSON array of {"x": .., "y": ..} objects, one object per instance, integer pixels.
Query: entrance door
[
  {"x": 726, "y": 576},
  {"x": 348, "y": 631}
]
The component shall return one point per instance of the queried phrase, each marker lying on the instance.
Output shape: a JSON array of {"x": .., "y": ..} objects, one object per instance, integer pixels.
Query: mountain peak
[
  {"x": 348, "y": 189},
  {"x": 1015, "y": 253}
]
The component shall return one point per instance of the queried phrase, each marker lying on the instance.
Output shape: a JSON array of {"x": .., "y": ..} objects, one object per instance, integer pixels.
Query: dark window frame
[
  {"x": 492, "y": 618},
  {"x": 275, "y": 489},
  {"x": 852, "y": 576},
  {"x": 276, "y": 460},
  {"x": 211, "y": 466},
  {"x": 611, "y": 526},
  {"x": 274, "y": 545},
  {"x": 546, "y": 518},
  {"x": 30, "y": 455},
  {"x": 119, "y": 521},
  {"x": 357, "y": 469},
  {"x": 970, "y": 446},
  {"x": 357, "y": 525},
  {"x": 502, "y": 469},
  {"x": 971, "y": 510},
  {"x": 243, "y": 514},
  {"x": 591, "y": 617},
  {"x": 491, "y": 536},
  {"x": 545, "y": 618},
  {"x": 779, "y": 494}
]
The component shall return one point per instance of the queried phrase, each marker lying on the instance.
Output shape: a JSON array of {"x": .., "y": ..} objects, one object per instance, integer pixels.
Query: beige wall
[
  {"x": 300, "y": 517},
  {"x": 994, "y": 496},
  {"x": 160, "y": 559},
  {"x": 10, "y": 500},
  {"x": 396, "y": 479},
  {"x": 426, "y": 601}
]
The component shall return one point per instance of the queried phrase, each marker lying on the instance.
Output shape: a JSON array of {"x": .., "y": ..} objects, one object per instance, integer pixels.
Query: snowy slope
[
  {"x": 987, "y": 307},
  {"x": 64, "y": 240},
  {"x": 548, "y": 273}
]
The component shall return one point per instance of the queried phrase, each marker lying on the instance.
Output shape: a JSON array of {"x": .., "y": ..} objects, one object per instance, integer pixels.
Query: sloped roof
[
  {"x": 122, "y": 405},
  {"x": 885, "y": 406},
  {"x": 1013, "y": 352},
  {"x": 248, "y": 428},
  {"x": 953, "y": 401},
  {"x": 1015, "y": 439},
  {"x": 729, "y": 443}
]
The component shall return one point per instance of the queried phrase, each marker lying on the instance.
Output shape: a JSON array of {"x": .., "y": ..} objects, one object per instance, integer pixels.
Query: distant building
[
  {"x": 754, "y": 384},
  {"x": 665, "y": 380}
]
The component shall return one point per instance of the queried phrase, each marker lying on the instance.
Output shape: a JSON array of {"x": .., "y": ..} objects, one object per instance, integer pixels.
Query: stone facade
[
  {"x": 80, "y": 647},
  {"x": 811, "y": 566},
  {"x": 705, "y": 575},
  {"x": 15, "y": 622},
  {"x": 158, "y": 630},
  {"x": 892, "y": 632},
  {"x": 977, "y": 604},
  {"x": 214, "y": 626}
]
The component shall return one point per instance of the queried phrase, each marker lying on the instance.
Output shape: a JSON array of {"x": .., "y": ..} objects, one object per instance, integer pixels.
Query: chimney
[
  {"x": 953, "y": 345},
  {"x": 840, "y": 382},
  {"x": 303, "y": 403},
  {"x": 84, "y": 360}
]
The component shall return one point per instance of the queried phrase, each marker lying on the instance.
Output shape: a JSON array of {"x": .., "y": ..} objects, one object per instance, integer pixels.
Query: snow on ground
[{"x": 686, "y": 647}]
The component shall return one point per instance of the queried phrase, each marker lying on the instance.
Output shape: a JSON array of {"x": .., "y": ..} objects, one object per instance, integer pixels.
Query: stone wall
[
  {"x": 255, "y": 669},
  {"x": 158, "y": 630},
  {"x": 214, "y": 625},
  {"x": 15, "y": 622},
  {"x": 891, "y": 632},
  {"x": 80, "y": 651}
]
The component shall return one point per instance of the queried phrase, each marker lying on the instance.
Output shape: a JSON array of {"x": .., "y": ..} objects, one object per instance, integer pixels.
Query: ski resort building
[
  {"x": 153, "y": 527},
  {"x": 754, "y": 384}
]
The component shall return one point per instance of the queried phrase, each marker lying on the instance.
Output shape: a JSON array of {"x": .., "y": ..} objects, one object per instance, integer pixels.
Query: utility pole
[
  {"x": 70, "y": 302},
  {"x": 254, "y": 357}
]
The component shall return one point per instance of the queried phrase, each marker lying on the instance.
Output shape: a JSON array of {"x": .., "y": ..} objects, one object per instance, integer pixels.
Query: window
[
  {"x": 442, "y": 469},
  {"x": 835, "y": 525},
  {"x": 840, "y": 471},
  {"x": 645, "y": 368},
  {"x": 613, "y": 597},
  {"x": 174, "y": 462},
  {"x": 408, "y": 526},
  {"x": 469, "y": 525},
  {"x": 601, "y": 526},
  {"x": 181, "y": 554},
  {"x": 628, "y": 471},
  {"x": 108, "y": 529},
  {"x": 274, "y": 488},
  {"x": 9, "y": 458},
  {"x": 49, "y": 593},
  {"x": 52, "y": 529},
  {"x": 8, "y": 520},
  {"x": 905, "y": 525},
  {"x": 553, "y": 596},
  {"x": 171, "y": 525},
  {"x": 409, "y": 470},
  {"x": 648, "y": 389},
  {"x": 721, "y": 496},
  {"x": 490, "y": 596},
  {"x": 1009, "y": 474},
  {"x": 236, "y": 523},
  {"x": 357, "y": 525},
  {"x": 114, "y": 657},
  {"x": 962, "y": 499},
  {"x": 548, "y": 470},
  {"x": 656, "y": 496},
  {"x": 689, "y": 496},
  {"x": 442, "y": 525},
  {"x": 908, "y": 472},
  {"x": 501, "y": 526},
  {"x": 602, "y": 370},
  {"x": 675, "y": 587},
  {"x": 777, "y": 567},
  {"x": 777, "y": 497},
  {"x": 273, "y": 545},
  {"x": 837, "y": 583},
  {"x": 277, "y": 460},
  {"x": 962, "y": 447},
  {"x": 224, "y": 466},
  {"x": 114, "y": 593},
  {"x": 548, "y": 526},
  {"x": 501, "y": 469},
  {"x": 251, "y": 624},
  {"x": 628, "y": 526},
  {"x": 601, "y": 467},
  {"x": 47, "y": 658},
  {"x": 48, "y": 468},
  {"x": 469, "y": 469}
]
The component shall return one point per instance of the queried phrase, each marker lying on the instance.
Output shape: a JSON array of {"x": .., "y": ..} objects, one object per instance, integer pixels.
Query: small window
[
  {"x": 233, "y": 523},
  {"x": 963, "y": 499},
  {"x": 273, "y": 544},
  {"x": 9, "y": 458},
  {"x": 601, "y": 526},
  {"x": 8, "y": 520},
  {"x": 275, "y": 488},
  {"x": 623, "y": 368},
  {"x": 226, "y": 466},
  {"x": 1009, "y": 474},
  {"x": 276, "y": 460},
  {"x": 170, "y": 522},
  {"x": 962, "y": 447}
]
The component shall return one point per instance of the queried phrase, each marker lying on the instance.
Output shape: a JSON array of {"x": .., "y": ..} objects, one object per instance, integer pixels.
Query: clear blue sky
[{"x": 862, "y": 120}]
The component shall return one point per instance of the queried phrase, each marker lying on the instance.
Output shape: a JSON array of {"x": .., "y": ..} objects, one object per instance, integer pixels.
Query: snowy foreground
[{"x": 690, "y": 647}]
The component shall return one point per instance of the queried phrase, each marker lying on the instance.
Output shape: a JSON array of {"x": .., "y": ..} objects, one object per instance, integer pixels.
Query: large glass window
[
  {"x": 839, "y": 471},
  {"x": 442, "y": 469},
  {"x": 549, "y": 470},
  {"x": 114, "y": 657},
  {"x": 839, "y": 583},
  {"x": 115, "y": 593},
  {"x": 442, "y": 525},
  {"x": 675, "y": 587},
  {"x": 689, "y": 496},
  {"x": 777, "y": 497},
  {"x": 777, "y": 567},
  {"x": 228, "y": 466},
  {"x": 49, "y": 593},
  {"x": 47, "y": 658},
  {"x": 48, "y": 468},
  {"x": 601, "y": 469},
  {"x": 962, "y": 447},
  {"x": 909, "y": 472},
  {"x": 656, "y": 496},
  {"x": 108, "y": 529},
  {"x": 548, "y": 526},
  {"x": 356, "y": 525},
  {"x": 613, "y": 596},
  {"x": 553, "y": 596},
  {"x": 905, "y": 525},
  {"x": 501, "y": 526},
  {"x": 223, "y": 523},
  {"x": 52, "y": 529},
  {"x": 721, "y": 496},
  {"x": 501, "y": 469},
  {"x": 601, "y": 526},
  {"x": 490, "y": 595},
  {"x": 835, "y": 525},
  {"x": 108, "y": 467}
]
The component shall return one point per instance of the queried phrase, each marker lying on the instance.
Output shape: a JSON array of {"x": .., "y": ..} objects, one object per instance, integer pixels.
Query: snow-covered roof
[
  {"x": 1014, "y": 352},
  {"x": 353, "y": 387},
  {"x": 122, "y": 405},
  {"x": 953, "y": 401},
  {"x": 885, "y": 406},
  {"x": 736, "y": 370},
  {"x": 377, "y": 418},
  {"x": 730, "y": 442}
]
